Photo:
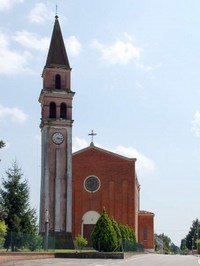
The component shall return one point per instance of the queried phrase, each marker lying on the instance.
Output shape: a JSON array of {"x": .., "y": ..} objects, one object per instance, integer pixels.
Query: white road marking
[{"x": 199, "y": 261}]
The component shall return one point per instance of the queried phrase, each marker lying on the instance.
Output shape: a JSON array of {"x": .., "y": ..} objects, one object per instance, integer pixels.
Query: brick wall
[
  {"x": 6, "y": 257},
  {"x": 117, "y": 192},
  {"x": 146, "y": 229}
]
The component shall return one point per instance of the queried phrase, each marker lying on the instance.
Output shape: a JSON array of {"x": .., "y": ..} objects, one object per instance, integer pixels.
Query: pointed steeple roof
[{"x": 57, "y": 55}]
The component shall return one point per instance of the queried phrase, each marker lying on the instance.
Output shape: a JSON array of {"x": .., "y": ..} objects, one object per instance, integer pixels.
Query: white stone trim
[{"x": 57, "y": 190}]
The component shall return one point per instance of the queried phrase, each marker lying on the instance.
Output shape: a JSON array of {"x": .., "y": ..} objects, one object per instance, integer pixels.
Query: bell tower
[{"x": 56, "y": 144}]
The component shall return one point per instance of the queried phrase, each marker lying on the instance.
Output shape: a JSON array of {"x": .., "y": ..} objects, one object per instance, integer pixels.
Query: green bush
[
  {"x": 81, "y": 242},
  {"x": 3, "y": 229},
  {"x": 34, "y": 242},
  {"x": 117, "y": 231},
  {"x": 104, "y": 237},
  {"x": 108, "y": 235}
]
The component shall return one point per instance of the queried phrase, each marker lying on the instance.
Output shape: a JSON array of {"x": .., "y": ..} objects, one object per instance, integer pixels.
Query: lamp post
[{"x": 46, "y": 230}]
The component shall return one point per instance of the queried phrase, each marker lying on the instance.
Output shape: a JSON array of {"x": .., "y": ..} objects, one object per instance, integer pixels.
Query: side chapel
[{"x": 75, "y": 187}]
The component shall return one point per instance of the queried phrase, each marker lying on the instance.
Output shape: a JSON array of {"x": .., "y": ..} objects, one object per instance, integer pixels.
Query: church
[{"x": 76, "y": 186}]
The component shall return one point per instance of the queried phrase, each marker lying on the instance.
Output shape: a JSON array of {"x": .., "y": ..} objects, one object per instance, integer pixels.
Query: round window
[{"x": 92, "y": 183}]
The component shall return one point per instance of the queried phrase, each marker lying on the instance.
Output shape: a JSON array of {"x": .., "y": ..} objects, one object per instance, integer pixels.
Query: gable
[
  {"x": 102, "y": 153},
  {"x": 102, "y": 163}
]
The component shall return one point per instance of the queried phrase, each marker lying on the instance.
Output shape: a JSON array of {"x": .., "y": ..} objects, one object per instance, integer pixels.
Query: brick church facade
[
  {"x": 105, "y": 179},
  {"x": 76, "y": 187}
]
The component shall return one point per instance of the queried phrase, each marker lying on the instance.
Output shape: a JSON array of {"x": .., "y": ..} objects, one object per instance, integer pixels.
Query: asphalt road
[{"x": 138, "y": 260}]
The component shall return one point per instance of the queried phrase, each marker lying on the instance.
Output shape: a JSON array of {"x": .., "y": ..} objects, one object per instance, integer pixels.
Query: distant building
[{"x": 76, "y": 187}]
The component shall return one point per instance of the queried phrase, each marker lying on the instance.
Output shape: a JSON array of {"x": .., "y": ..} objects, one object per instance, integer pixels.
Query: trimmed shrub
[
  {"x": 117, "y": 231},
  {"x": 104, "y": 237}
]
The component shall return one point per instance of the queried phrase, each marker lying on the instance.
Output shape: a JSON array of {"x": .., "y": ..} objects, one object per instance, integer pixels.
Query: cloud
[
  {"x": 41, "y": 13},
  {"x": 79, "y": 144},
  {"x": 73, "y": 46},
  {"x": 7, "y": 4},
  {"x": 143, "y": 164},
  {"x": 196, "y": 124},
  {"x": 142, "y": 67},
  {"x": 15, "y": 114},
  {"x": 31, "y": 40},
  {"x": 12, "y": 62},
  {"x": 121, "y": 52}
]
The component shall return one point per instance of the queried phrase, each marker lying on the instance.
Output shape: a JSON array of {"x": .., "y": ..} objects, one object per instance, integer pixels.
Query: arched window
[
  {"x": 52, "y": 110},
  {"x": 58, "y": 81},
  {"x": 63, "y": 111}
]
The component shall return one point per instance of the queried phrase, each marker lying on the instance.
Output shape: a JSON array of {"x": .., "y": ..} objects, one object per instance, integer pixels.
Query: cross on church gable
[{"x": 92, "y": 134}]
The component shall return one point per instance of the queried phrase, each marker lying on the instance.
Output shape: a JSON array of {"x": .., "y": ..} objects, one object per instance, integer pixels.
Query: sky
[{"x": 136, "y": 74}]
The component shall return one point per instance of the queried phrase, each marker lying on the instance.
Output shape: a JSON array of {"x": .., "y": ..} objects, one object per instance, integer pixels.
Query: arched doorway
[{"x": 89, "y": 220}]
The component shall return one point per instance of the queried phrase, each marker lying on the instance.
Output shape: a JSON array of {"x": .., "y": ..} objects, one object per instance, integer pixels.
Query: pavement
[{"x": 60, "y": 262}]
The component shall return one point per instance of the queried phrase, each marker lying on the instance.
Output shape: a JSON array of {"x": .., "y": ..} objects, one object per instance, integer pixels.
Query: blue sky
[{"x": 135, "y": 70}]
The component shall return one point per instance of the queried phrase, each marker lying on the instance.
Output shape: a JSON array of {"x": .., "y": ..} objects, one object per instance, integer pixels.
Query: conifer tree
[
  {"x": 117, "y": 230},
  {"x": 193, "y": 235},
  {"x": 2, "y": 144},
  {"x": 14, "y": 199},
  {"x": 104, "y": 237}
]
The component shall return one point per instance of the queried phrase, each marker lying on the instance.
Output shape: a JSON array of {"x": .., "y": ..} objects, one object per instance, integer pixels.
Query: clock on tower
[{"x": 56, "y": 137}]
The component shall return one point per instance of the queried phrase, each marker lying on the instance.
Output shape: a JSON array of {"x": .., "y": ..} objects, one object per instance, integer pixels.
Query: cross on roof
[
  {"x": 92, "y": 134},
  {"x": 56, "y": 11}
]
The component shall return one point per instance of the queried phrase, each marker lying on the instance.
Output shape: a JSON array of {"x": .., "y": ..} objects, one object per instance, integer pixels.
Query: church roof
[
  {"x": 92, "y": 146},
  {"x": 57, "y": 55},
  {"x": 142, "y": 212}
]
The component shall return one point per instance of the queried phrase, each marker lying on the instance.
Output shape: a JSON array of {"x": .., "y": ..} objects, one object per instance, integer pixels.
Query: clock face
[{"x": 57, "y": 138}]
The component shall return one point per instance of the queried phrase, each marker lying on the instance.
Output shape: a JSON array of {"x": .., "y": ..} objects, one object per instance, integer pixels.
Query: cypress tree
[
  {"x": 104, "y": 237},
  {"x": 118, "y": 232}
]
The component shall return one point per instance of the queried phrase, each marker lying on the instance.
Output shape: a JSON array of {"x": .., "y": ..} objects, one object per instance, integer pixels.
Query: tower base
[
  {"x": 63, "y": 240},
  {"x": 58, "y": 240}
]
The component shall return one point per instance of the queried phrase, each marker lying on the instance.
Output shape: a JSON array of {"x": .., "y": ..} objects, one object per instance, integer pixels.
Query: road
[{"x": 137, "y": 260}]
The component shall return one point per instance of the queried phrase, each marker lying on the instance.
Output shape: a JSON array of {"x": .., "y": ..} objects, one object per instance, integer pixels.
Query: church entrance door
[
  {"x": 87, "y": 231},
  {"x": 89, "y": 220}
]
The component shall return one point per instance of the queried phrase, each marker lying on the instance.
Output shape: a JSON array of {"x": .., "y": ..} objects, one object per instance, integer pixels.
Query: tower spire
[{"x": 57, "y": 55}]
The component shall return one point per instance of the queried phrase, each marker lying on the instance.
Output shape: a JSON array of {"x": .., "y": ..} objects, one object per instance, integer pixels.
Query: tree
[
  {"x": 104, "y": 237},
  {"x": 117, "y": 231},
  {"x": 3, "y": 213},
  {"x": 166, "y": 243},
  {"x": 174, "y": 249},
  {"x": 14, "y": 198},
  {"x": 2, "y": 144},
  {"x": 198, "y": 246},
  {"x": 128, "y": 238},
  {"x": 191, "y": 238},
  {"x": 3, "y": 229}
]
